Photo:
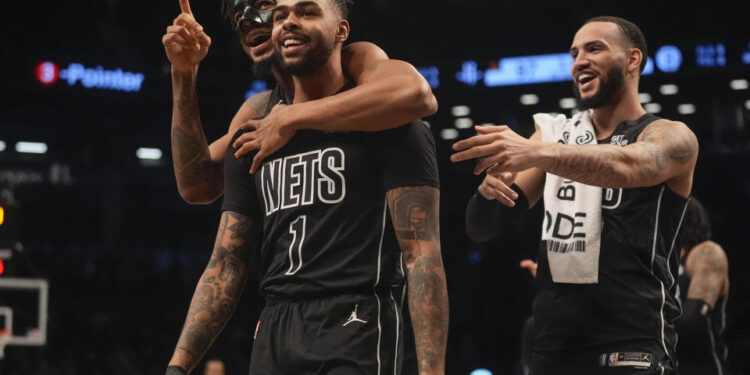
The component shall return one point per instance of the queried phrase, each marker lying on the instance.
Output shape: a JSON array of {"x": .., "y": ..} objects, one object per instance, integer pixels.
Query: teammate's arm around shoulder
[
  {"x": 219, "y": 288},
  {"x": 415, "y": 214},
  {"x": 708, "y": 269},
  {"x": 404, "y": 91}
]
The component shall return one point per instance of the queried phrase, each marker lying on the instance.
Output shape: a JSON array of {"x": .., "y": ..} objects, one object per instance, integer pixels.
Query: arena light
[
  {"x": 669, "y": 89},
  {"x": 481, "y": 371},
  {"x": 449, "y": 134},
  {"x": 469, "y": 73},
  {"x": 668, "y": 58},
  {"x": 145, "y": 153},
  {"x": 431, "y": 74},
  {"x": 31, "y": 147},
  {"x": 47, "y": 73},
  {"x": 686, "y": 109},
  {"x": 644, "y": 97},
  {"x": 738, "y": 84},
  {"x": 2, "y": 146},
  {"x": 463, "y": 123},
  {"x": 747, "y": 105},
  {"x": 652, "y": 107},
  {"x": 258, "y": 86},
  {"x": 529, "y": 99},
  {"x": 567, "y": 103},
  {"x": 460, "y": 111}
]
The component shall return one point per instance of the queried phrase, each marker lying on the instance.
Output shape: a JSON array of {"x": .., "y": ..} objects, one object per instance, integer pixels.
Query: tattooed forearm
[
  {"x": 190, "y": 153},
  {"x": 219, "y": 289},
  {"x": 665, "y": 150},
  {"x": 415, "y": 214}
]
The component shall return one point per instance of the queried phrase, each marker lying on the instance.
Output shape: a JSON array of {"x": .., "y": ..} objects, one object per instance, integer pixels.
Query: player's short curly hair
[
  {"x": 631, "y": 32},
  {"x": 343, "y": 7}
]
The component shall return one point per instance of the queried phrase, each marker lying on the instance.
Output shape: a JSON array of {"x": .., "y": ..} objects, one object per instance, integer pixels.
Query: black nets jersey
[
  {"x": 634, "y": 301},
  {"x": 709, "y": 355},
  {"x": 322, "y": 197}
]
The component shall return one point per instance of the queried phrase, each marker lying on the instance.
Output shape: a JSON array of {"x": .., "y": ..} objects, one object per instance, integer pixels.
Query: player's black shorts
[
  {"x": 344, "y": 334},
  {"x": 644, "y": 359}
]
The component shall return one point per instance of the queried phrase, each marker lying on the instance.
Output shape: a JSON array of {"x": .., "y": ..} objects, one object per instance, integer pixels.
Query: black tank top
[
  {"x": 707, "y": 358},
  {"x": 278, "y": 96},
  {"x": 633, "y": 305}
]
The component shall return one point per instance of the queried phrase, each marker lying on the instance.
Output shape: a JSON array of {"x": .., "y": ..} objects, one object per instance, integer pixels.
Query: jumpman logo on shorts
[{"x": 353, "y": 317}]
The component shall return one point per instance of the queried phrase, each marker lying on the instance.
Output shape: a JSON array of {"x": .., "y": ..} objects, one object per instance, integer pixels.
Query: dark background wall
[{"x": 123, "y": 252}]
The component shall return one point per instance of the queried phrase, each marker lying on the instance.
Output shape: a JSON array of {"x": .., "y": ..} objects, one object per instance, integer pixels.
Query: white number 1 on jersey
[{"x": 297, "y": 230}]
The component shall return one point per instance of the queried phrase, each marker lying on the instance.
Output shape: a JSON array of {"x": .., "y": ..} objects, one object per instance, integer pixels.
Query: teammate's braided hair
[{"x": 630, "y": 31}]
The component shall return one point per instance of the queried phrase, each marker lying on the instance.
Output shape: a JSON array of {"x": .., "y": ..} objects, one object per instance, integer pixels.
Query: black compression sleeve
[
  {"x": 175, "y": 370},
  {"x": 692, "y": 327},
  {"x": 484, "y": 217}
]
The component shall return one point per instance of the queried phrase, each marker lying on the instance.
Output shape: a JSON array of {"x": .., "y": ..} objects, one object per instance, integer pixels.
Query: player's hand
[
  {"x": 496, "y": 186},
  {"x": 268, "y": 135},
  {"x": 530, "y": 265},
  {"x": 497, "y": 145},
  {"x": 185, "y": 41}
]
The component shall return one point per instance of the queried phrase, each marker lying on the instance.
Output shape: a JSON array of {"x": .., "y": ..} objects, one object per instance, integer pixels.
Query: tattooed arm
[
  {"x": 198, "y": 166},
  {"x": 666, "y": 152},
  {"x": 708, "y": 269},
  {"x": 415, "y": 214},
  {"x": 219, "y": 288}
]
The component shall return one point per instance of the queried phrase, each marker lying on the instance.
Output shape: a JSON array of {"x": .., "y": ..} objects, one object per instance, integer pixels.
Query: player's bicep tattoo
[
  {"x": 415, "y": 213},
  {"x": 663, "y": 145}
]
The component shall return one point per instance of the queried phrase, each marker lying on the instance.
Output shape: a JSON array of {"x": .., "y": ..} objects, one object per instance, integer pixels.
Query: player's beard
[
  {"x": 312, "y": 61},
  {"x": 609, "y": 83}
]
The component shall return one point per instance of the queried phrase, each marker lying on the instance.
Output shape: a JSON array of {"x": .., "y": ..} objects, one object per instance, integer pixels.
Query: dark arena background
[{"x": 89, "y": 199}]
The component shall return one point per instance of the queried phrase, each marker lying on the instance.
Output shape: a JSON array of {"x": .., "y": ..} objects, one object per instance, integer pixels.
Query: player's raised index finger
[{"x": 185, "y": 6}]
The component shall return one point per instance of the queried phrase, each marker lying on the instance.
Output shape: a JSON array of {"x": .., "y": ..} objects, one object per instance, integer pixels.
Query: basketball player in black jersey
[
  {"x": 620, "y": 317},
  {"x": 703, "y": 291},
  {"x": 389, "y": 93},
  {"x": 330, "y": 255}
]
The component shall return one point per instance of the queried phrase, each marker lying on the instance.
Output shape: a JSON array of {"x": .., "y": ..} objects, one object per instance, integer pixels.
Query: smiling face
[
  {"x": 255, "y": 37},
  {"x": 305, "y": 34},
  {"x": 601, "y": 63}
]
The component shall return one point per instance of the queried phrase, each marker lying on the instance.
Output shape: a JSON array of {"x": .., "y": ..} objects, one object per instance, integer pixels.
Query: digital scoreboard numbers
[{"x": 711, "y": 55}]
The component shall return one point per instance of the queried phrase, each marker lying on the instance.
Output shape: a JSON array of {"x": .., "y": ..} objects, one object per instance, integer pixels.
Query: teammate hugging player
[
  {"x": 389, "y": 93},
  {"x": 345, "y": 218},
  {"x": 615, "y": 182}
]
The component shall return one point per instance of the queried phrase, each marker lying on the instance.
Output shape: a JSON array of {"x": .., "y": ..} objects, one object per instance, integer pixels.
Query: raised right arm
[
  {"x": 197, "y": 166},
  {"x": 219, "y": 288}
]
